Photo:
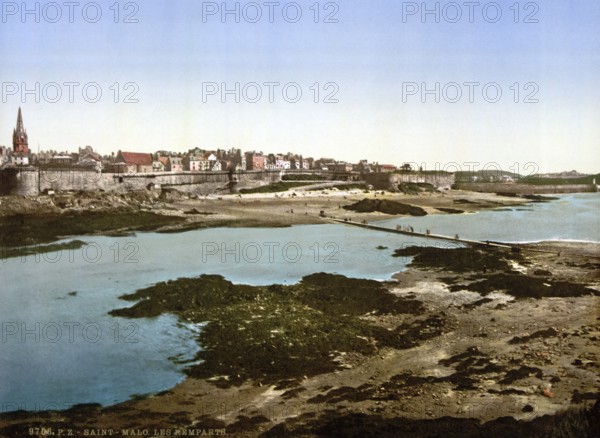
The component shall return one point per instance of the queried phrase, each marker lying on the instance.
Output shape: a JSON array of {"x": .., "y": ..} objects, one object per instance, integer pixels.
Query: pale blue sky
[{"x": 369, "y": 54}]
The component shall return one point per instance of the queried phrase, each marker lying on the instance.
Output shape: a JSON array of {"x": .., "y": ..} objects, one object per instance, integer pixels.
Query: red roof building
[{"x": 134, "y": 162}]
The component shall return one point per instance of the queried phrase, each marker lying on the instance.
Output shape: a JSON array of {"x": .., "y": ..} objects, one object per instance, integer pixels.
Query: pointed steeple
[
  {"x": 20, "y": 122},
  {"x": 20, "y": 140}
]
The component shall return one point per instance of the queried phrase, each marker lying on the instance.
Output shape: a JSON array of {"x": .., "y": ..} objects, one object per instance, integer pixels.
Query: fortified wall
[
  {"x": 390, "y": 181},
  {"x": 32, "y": 183},
  {"x": 526, "y": 189}
]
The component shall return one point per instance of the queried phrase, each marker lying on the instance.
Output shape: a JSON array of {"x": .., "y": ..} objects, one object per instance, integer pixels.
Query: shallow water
[{"x": 573, "y": 217}]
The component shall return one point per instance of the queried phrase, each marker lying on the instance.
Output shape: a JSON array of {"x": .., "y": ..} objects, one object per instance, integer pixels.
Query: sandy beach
[{"x": 300, "y": 207}]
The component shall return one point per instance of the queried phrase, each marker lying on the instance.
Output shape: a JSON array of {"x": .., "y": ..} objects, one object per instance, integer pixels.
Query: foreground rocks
[
  {"x": 270, "y": 334},
  {"x": 423, "y": 356},
  {"x": 466, "y": 342}
]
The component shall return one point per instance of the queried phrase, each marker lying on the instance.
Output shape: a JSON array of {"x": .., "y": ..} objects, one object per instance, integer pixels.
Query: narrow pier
[
  {"x": 513, "y": 247},
  {"x": 425, "y": 235}
]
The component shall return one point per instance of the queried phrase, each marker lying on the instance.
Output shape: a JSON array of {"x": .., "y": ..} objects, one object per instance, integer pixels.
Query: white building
[{"x": 19, "y": 160}]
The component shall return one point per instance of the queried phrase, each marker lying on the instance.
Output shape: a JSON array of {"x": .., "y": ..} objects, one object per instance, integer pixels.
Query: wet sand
[{"x": 298, "y": 207}]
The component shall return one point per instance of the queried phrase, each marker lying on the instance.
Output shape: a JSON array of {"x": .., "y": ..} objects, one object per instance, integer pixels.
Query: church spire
[
  {"x": 20, "y": 122},
  {"x": 20, "y": 140}
]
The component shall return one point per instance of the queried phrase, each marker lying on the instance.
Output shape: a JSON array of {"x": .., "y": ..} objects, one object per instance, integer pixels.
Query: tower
[{"x": 20, "y": 140}]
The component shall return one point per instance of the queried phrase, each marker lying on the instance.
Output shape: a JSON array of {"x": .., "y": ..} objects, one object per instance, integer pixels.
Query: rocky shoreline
[
  {"x": 424, "y": 355},
  {"x": 26, "y": 221},
  {"x": 466, "y": 342}
]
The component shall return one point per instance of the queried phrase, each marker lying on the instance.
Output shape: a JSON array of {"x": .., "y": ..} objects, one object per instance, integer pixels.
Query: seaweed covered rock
[
  {"x": 270, "y": 333},
  {"x": 385, "y": 206},
  {"x": 458, "y": 259}
]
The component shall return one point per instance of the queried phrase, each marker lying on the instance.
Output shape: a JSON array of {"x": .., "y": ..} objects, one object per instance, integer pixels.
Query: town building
[
  {"x": 194, "y": 163},
  {"x": 255, "y": 161},
  {"x": 388, "y": 168},
  {"x": 175, "y": 164},
  {"x": 281, "y": 163},
  {"x": 213, "y": 163},
  {"x": 86, "y": 157},
  {"x": 160, "y": 164},
  {"x": 169, "y": 164},
  {"x": 133, "y": 162},
  {"x": 341, "y": 167},
  {"x": 302, "y": 164}
]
